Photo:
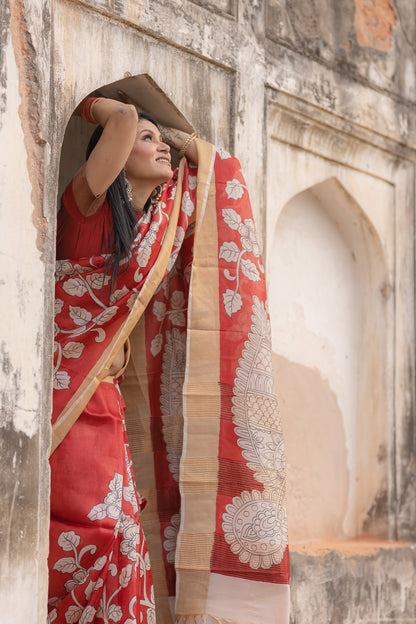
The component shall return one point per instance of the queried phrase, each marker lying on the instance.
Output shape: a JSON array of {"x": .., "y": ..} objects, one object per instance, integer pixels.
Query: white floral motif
[
  {"x": 131, "y": 534},
  {"x": 61, "y": 380},
  {"x": 255, "y": 524},
  {"x": 176, "y": 313},
  {"x": 59, "y": 304},
  {"x": 234, "y": 189},
  {"x": 70, "y": 541},
  {"x": 179, "y": 236},
  {"x": 188, "y": 205},
  {"x": 233, "y": 254},
  {"x": 52, "y": 616},
  {"x": 222, "y": 153},
  {"x": 192, "y": 180},
  {"x": 145, "y": 249},
  {"x": 111, "y": 507},
  {"x": 247, "y": 232},
  {"x": 156, "y": 344},
  {"x": 129, "y": 491},
  {"x": 171, "y": 535}
]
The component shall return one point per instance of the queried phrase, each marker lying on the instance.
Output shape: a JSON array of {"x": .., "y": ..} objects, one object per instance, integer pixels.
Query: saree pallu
[{"x": 202, "y": 418}]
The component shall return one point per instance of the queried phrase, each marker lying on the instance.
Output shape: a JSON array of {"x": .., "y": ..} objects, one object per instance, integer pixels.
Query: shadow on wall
[{"x": 330, "y": 310}]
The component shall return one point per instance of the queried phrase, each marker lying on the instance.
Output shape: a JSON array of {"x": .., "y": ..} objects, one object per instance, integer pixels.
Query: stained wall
[{"x": 316, "y": 97}]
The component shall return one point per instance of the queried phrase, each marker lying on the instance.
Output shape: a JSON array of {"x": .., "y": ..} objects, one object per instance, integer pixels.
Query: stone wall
[{"x": 316, "y": 98}]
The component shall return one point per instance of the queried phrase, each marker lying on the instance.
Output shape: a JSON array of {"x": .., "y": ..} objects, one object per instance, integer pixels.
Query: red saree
[{"x": 202, "y": 418}]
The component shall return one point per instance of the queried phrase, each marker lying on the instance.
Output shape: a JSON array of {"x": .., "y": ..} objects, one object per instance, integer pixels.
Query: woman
[{"x": 185, "y": 270}]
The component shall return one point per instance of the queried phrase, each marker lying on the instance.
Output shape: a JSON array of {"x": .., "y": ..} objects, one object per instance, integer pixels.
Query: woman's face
[{"x": 149, "y": 160}]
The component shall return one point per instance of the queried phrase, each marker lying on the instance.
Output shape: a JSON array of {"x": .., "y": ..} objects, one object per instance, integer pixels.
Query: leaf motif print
[
  {"x": 98, "y": 512},
  {"x": 188, "y": 205},
  {"x": 156, "y": 344},
  {"x": 100, "y": 563},
  {"x": 131, "y": 300},
  {"x": 89, "y": 589},
  {"x": 61, "y": 380},
  {"x": 222, "y": 153},
  {"x": 173, "y": 192},
  {"x": 179, "y": 236},
  {"x": 145, "y": 249},
  {"x": 59, "y": 304},
  {"x": 64, "y": 267},
  {"x": 118, "y": 294},
  {"x": 73, "y": 350},
  {"x": 75, "y": 287},
  {"x": 88, "y": 615},
  {"x": 171, "y": 535},
  {"x": 192, "y": 182},
  {"x": 70, "y": 585},
  {"x": 234, "y": 189},
  {"x": 72, "y": 614},
  {"x": 143, "y": 257},
  {"x": 80, "y": 316},
  {"x": 159, "y": 310},
  {"x": 66, "y": 565},
  {"x": 232, "y": 301},
  {"x": 115, "y": 613},
  {"x": 125, "y": 575},
  {"x": 229, "y": 251},
  {"x": 106, "y": 315},
  {"x": 97, "y": 280},
  {"x": 250, "y": 270},
  {"x": 248, "y": 235},
  {"x": 53, "y": 615},
  {"x": 187, "y": 273},
  {"x": 176, "y": 314},
  {"x": 231, "y": 218},
  {"x": 172, "y": 260}
]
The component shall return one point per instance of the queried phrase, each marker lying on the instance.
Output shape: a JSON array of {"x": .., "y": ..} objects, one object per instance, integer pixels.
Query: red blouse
[{"x": 79, "y": 236}]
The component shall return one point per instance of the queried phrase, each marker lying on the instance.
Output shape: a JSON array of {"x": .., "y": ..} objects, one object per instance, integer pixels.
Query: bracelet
[
  {"x": 85, "y": 109},
  {"x": 188, "y": 141}
]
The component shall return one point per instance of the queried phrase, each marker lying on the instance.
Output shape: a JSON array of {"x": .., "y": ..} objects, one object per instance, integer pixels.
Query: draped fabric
[{"x": 202, "y": 418}]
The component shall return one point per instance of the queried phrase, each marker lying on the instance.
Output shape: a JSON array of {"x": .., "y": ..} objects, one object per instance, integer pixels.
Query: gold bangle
[{"x": 188, "y": 141}]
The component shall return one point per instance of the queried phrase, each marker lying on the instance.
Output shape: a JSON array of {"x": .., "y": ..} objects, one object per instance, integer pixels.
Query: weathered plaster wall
[
  {"x": 316, "y": 97},
  {"x": 25, "y": 277}
]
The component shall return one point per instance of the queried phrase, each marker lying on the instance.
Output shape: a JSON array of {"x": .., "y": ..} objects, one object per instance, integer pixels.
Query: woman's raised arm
[
  {"x": 109, "y": 156},
  {"x": 173, "y": 137},
  {"x": 178, "y": 139}
]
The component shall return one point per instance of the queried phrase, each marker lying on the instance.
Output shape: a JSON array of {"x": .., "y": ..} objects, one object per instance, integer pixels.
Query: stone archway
[{"x": 330, "y": 325}]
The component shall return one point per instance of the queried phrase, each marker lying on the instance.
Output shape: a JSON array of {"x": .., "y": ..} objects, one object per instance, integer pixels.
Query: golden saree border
[
  {"x": 99, "y": 371},
  {"x": 201, "y": 405}
]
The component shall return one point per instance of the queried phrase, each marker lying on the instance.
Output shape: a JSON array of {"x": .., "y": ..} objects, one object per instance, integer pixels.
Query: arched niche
[{"x": 331, "y": 308}]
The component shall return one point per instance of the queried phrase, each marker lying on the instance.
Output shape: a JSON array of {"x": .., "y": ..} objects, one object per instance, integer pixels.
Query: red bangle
[{"x": 85, "y": 109}]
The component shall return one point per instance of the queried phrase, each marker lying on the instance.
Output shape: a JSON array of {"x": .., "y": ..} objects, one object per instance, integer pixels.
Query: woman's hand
[{"x": 172, "y": 136}]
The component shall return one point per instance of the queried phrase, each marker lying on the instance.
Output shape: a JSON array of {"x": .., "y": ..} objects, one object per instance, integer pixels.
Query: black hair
[{"x": 124, "y": 218}]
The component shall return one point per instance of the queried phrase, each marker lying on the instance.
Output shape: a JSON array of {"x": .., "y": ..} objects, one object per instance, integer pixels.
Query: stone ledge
[
  {"x": 364, "y": 545},
  {"x": 363, "y": 581}
]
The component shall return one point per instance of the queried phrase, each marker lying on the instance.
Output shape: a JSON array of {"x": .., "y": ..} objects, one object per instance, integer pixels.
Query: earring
[
  {"x": 129, "y": 188},
  {"x": 156, "y": 194}
]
